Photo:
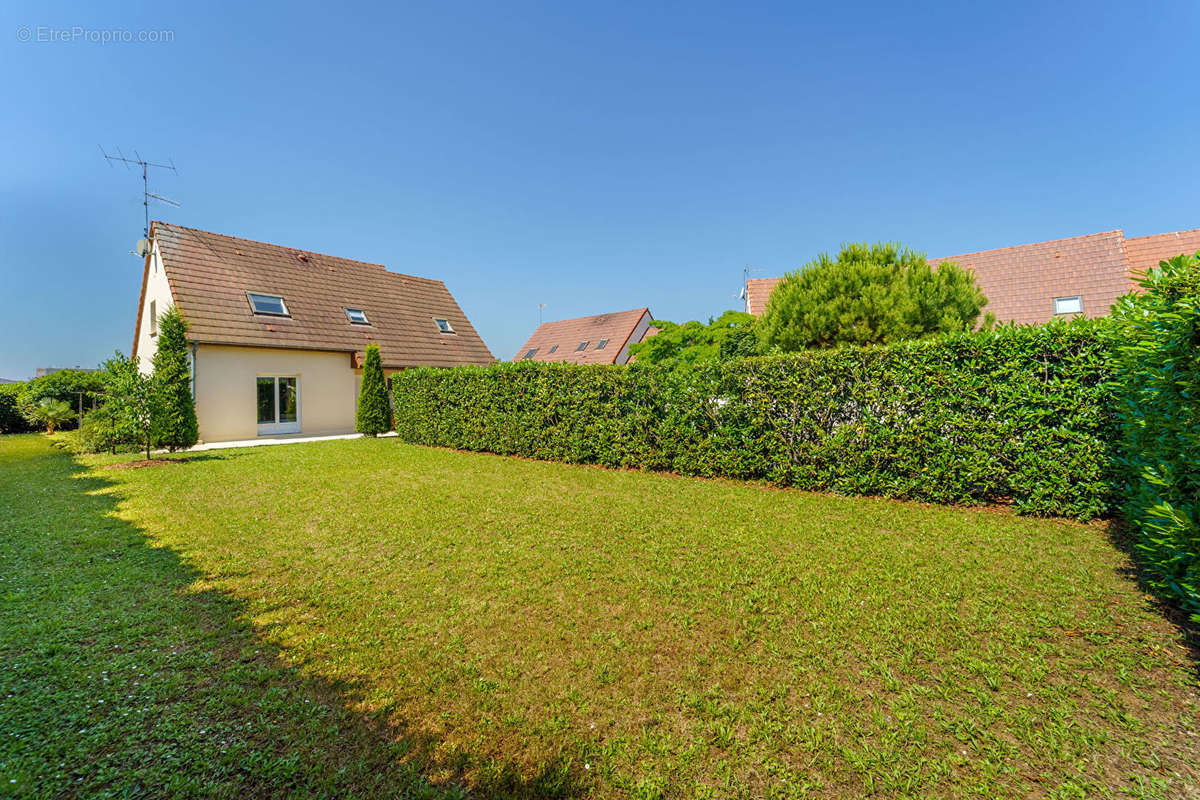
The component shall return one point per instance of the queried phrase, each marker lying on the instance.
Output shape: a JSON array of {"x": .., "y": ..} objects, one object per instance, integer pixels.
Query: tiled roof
[
  {"x": 1021, "y": 282},
  {"x": 757, "y": 292},
  {"x": 209, "y": 275},
  {"x": 1144, "y": 252},
  {"x": 565, "y": 336}
]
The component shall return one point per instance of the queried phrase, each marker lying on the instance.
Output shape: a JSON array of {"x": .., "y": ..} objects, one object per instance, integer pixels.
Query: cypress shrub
[
  {"x": 374, "y": 413},
  {"x": 175, "y": 424},
  {"x": 1157, "y": 336},
  {"x": 1018, "y": 415}
]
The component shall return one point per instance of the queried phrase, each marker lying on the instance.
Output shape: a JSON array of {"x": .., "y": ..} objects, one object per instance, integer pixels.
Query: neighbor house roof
[
  {"x": 1144, "y": 252},
  {"x": 560, "y": 340},
  {"x": 1021, "y": 282},
  {"x": 210, "y": 275},
  {"x": 758, "y": 290}
]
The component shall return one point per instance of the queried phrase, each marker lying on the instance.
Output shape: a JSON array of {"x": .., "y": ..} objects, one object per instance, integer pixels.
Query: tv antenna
[{"x": 147, "y": 195}]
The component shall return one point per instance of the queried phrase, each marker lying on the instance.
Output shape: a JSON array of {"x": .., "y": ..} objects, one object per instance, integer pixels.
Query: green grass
[{"x": 365, "y": 618}]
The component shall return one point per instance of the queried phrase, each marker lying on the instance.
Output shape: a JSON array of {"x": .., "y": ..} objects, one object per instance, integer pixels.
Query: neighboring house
[
  {"x": 602, "y": 339},
  {"x": 1036, "y": 282},
  {"x": 7, "y": 380},
  {"x": 277, "y": 335}
]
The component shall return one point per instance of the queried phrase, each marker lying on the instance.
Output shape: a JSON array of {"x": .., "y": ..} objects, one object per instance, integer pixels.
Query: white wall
[
  {"x": 226, "y": 389},
  {"x": 158, "y": 292}
]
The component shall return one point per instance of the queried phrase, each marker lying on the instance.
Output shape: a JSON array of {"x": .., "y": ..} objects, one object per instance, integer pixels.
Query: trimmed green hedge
[
  {"x": 1017, "y": 415},
  {"x": 1157, "y": 335}
]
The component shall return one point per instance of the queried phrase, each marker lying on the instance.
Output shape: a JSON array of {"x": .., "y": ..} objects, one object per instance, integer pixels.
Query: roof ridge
[{"x": 1118, "y": 231}]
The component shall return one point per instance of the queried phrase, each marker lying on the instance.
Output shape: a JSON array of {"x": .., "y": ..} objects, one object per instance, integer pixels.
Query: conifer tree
[
  {"x": 175, "y": 425},
  {"x": 374, "y": 414}
]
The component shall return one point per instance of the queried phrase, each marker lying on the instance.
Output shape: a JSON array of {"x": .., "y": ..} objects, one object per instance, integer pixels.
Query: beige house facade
[{"x": 277, "y": 335}]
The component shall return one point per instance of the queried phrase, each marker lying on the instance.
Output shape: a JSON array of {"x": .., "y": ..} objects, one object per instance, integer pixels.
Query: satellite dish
[{"x": 143, "y": 247}]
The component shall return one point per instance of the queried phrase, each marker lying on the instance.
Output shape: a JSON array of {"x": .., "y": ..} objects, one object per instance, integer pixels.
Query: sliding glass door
[{"x": 278, "y": 405}]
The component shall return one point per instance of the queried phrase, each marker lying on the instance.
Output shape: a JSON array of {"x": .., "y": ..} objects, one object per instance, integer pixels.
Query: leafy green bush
[
  {"x": 1017, "y": 415},
  {"x": 11, "y": 418},
  {"x": 103, "y": 432},
  {"x": 374, "y": 413},
  {"x": 730, "y": 335},
  {"x": 70, "y": 386},
  {"x": 1157, "y": 335}
]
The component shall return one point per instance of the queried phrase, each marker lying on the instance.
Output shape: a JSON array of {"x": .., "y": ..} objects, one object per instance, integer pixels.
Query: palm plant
[{"x": 51, "y": 412}]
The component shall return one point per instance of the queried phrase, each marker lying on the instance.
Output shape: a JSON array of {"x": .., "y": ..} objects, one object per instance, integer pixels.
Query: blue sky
[{"x": 594, "y": 158}]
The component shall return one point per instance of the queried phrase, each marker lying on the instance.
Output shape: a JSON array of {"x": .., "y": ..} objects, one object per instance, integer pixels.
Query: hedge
[
  {"x": 1157, "y": 337},
  {"x": 11, "y": 418},
  {"x": 1020, "y": 415}
]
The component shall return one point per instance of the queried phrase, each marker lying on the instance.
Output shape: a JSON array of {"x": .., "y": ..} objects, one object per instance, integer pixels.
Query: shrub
[
  {"x": 374, "y": 413},
  {"x": 132, "y": 401},
  {"x": 71, "y": 386},
  {"x": 103, "y": 432},
  {"x": 1016, "y": 415},
  {"x": 730, "y": 335},
  {"x": 1157, "y": 336},
  {"x": 175, "y": 426},
  {"x": 11, "y": 418},
  {"x": 870, "y": 294}
]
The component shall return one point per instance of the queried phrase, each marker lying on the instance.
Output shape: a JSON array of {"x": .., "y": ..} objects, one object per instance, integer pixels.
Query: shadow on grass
[
  {"x": 1122, "y": 537},
  {"x": 122, "y": 678}
]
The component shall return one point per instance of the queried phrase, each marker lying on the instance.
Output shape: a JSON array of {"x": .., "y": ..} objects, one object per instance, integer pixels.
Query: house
[
  {"x": 277, "y": 335},
  {"x": 601, "y": 339},
  {"x": 1036, "y": 282}
]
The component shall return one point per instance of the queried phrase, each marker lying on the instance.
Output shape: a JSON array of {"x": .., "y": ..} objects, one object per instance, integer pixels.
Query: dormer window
[
  {"x": 268, "y": 304},
  {"x": 443, "y": 325},
  {"x": 356, "y": 316}
]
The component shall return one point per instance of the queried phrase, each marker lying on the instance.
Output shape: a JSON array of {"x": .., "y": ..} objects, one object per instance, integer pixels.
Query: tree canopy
[
  {"x": 869, "y": 294},
  {"x": 730, "y": 335}
]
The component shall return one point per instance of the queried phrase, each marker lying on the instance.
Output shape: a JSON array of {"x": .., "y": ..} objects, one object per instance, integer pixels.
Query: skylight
[
  {"x": 357, "y": 316},
  {"x": 269, "y": 304},
  {"x": 1068, "y": 305},
  {"x": 444, "y": 325},
  {"x": 582, "y": 346},
  {"x": 603, "y": 343},
  {"x": 553, "y": 347},
  {"x": 530, "y": 354}
]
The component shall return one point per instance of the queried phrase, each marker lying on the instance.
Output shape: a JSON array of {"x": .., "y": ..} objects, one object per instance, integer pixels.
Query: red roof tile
[
  {"x": 560, "y": 341},
  {"x": 757, "y": 292},
  {"x": 1144, "y": 252},
  {"x": 210, "y": 274}
]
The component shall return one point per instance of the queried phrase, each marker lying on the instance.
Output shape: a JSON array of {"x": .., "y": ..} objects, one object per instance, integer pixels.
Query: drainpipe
[{"x": 195, "y": 346}]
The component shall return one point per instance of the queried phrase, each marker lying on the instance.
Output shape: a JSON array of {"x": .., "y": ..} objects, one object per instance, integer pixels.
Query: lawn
[{"x": 366, "y": 618}]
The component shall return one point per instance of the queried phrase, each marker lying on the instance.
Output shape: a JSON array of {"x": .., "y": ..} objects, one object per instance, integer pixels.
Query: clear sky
[{"x": 592, "y": 157}]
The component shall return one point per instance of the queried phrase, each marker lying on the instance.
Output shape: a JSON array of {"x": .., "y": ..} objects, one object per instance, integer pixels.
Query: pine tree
[
  {"x": 175, "y": 425},
  {"x": 870, "y": 294},
  {"x": 374, "y": 415}
]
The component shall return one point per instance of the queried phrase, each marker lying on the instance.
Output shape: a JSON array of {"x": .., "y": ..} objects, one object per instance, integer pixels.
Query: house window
[
  {"x": 153, "y": 318},
  {"x": 357, "y": 316},
  {"x": 603, "y": 343},
  {"x": 1068, "y": 305},
  {"x": 553, "y": 347},
  {"x": 278, "y": 405},
  {"x": 582, "y": 346},
  {"x": 530, "y": 353},
  {"x": 444, "y": 325},
  {"x": 269, "y": 304}
]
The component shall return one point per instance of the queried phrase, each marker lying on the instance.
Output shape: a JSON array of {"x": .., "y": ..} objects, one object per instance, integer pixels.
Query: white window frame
[
  {"x": 250, "y": 299},
  {"x": 350, "y": 316},
  {"x": 440, "y": 322},
  {"x": 274, "y": 428},
  {"x": 1075, "y": 299}
]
